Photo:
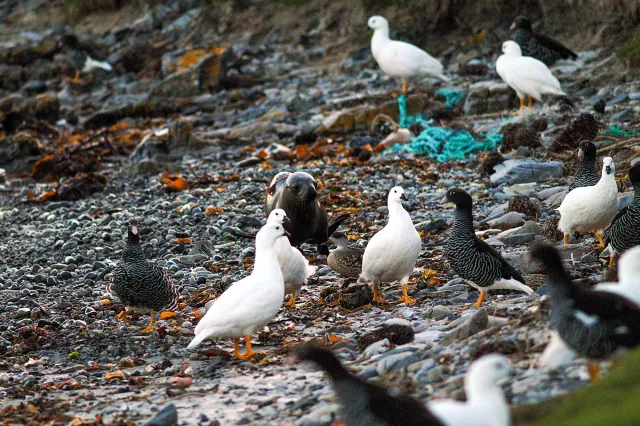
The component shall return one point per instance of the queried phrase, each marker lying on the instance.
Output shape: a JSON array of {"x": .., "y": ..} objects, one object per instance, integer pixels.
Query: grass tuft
[
  {"x": 611, "y": 401},
  {"x": 629, "y": 54},
  {"x": 79, "y": 8}
]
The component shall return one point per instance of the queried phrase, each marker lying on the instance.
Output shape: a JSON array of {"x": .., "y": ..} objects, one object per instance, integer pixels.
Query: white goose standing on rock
[
  {"x": 590, "y": 209},
  {"x": 249, "y": 304},
  {"x": 392, "y": 252},
  {"x": 399, "y": 59},
  {"x": 295, "y": 268},
  {"x": 526, "y": 75}
]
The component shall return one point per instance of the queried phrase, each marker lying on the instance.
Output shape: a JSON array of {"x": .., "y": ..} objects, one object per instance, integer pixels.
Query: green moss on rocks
[
  {"x": 630, "y": 52},
  {"x": 611, "y": 401},
  {"x": 85, "y": 7}
]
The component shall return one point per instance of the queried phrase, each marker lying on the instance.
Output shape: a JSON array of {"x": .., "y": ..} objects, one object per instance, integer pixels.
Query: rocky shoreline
[{"x": 80, "y": 159}]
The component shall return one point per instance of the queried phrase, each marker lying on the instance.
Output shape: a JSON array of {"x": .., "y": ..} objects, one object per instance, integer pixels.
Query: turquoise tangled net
[{"x": 441, "y": 143}]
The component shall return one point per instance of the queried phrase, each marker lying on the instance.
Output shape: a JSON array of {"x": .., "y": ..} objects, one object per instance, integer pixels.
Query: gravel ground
[{"x": 67, "y": 360}]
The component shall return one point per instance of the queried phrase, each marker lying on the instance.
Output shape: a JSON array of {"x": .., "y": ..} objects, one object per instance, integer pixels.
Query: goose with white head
[
  {"x": 295, "y": 268},
  {"x": 391, "y": 253},
  {"x": 591, "y": 208},
  {"x": 249, "y": 304},
  {"x": 526, "y": 75},
  {"x": 486, "y": 404},
  {"x": 399, "y": 59}
]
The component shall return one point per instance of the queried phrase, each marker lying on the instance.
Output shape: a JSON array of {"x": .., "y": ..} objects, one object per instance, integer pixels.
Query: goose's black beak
[
  {"x": 286, "y": 220},
  {"x": 403, "y": 197},
  {"x": 287, "y": 234},
  {"x": 608, "y": 168}
]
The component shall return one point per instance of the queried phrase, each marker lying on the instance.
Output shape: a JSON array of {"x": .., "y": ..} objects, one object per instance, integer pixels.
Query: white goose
[
  {"x": 295, "y": 268},
  {"x": 591, "y": 208},
  {"x": 526, "y": 75},
  {"x": 486, "y": 404},
  {"x": 392, "y": 253},
  {"x": 249, "y": 304},
  {"x": 401, "y": 60}
]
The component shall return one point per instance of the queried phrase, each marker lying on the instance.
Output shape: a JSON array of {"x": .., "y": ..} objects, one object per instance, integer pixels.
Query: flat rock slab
[{"x": 524, "y": 170}]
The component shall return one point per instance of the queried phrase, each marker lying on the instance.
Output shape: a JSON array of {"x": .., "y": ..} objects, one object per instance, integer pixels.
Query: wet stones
[
  {"x": 489, "y": 96},
  {"x": 18, "y": 152},
  {"x": 16, "y": 109},
  {"x": 525, "y": 170},
  {"x": 11, "y": 77},
  {"x": 360, "y": 117}
]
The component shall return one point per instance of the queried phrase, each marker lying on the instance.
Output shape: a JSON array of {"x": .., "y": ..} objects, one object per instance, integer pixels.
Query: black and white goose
[
  {"x": 587, "y": 174},
  {"x": 624, "y": 230},
  {"x": 557, "y": 352},
  {"x": 594, "y": 323},
  {"x": 539, "y": 46},
  {"x": 79, "y": 58},
  {"x": 140, "y": 285},
  {"x": 475, "y": 261},
  {"x": 365, "y": 404}
]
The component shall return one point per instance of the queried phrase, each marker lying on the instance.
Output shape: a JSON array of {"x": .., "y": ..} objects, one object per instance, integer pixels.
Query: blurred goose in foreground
[
  {"x": 594, "y": 323},
  {"x": 363, "y": 403}
]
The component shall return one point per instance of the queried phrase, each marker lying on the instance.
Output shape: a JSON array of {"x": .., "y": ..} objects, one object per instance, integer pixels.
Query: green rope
[
  {"x": 441, "y": 143},
  {"x": 451, "y": 96},
  {"x": 617, "y": 131}
]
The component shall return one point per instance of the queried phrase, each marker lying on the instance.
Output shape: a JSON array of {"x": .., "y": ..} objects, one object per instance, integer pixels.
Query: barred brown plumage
[
  {"x": 475, "y": 261},
  {"x": 587, "y": 174},
  {"x": 345, "y": 260},
  {"x": 140, "y": 285}
]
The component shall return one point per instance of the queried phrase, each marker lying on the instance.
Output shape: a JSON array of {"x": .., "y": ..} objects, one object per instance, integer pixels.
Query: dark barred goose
[
  {"x": 365, "y": 404},
  {"x": 481, "y": 266},
  {"x": 594, "y": 323},
  {"x": 538, "y": 46},
  {"x": 624, "y": 230},
  {"x": 140, "y": 285},
  {"x": 587, "y": 174}
]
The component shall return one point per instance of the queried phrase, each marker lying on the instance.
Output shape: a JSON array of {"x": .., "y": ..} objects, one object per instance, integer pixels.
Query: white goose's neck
[
  {"x": 266, "y": 260},
  {"x": 397, "y": 213},
  {"x": 380, "y": 35},
  {"x": 607, "y": 181},
  {"x": 489, "y": 395}
]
